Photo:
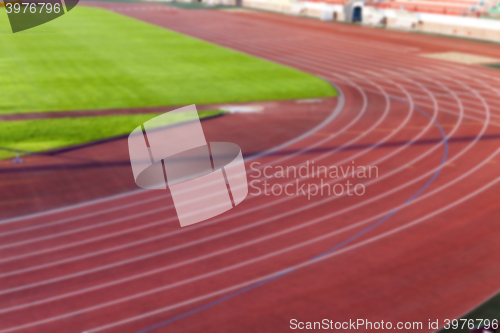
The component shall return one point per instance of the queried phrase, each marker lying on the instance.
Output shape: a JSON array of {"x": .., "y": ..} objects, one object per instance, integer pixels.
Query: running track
[{"x": 431, "y": 127}]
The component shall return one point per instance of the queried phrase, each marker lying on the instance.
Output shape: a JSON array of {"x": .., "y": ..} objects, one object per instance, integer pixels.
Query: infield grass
[
  {"x": 92, "y": 59},
  {"x": 45, "y": 134}
]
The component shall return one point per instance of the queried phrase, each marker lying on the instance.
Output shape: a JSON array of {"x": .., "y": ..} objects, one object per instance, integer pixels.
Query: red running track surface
[{"x": 124, "y": 264}]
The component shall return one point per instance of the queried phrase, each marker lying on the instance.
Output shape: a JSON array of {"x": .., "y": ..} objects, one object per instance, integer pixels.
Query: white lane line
[
  {"x": 81, "y": 217},
  {"x": 82, "y": 229},
  {"x": 71, "y": 207}
]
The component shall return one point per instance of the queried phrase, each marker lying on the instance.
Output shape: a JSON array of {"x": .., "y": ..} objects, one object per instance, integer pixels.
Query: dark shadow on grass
[{"x": 488, "y": 310}]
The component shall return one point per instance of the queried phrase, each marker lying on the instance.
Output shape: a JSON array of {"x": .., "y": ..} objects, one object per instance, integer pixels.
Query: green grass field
[
  {"x": 92, "y": 59},
  {"x": 44, "y": 134},
  {"x": 493, "y": 66}
]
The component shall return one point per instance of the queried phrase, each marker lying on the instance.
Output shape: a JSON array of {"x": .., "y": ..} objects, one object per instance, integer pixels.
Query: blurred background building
[{"x": 462, "y": 18}]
